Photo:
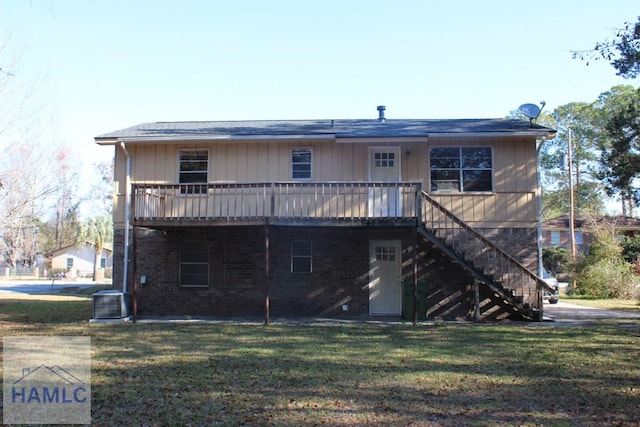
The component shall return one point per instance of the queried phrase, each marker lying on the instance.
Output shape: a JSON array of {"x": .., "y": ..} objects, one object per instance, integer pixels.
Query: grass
[
  {"x": 630, "y": 305},
  {"x": 455, "y": 374}
]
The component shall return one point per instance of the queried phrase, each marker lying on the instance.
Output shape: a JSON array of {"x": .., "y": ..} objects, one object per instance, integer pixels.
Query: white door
[
  {"x": 384, "y": 166},
  {"x": 385, "y": 270}
]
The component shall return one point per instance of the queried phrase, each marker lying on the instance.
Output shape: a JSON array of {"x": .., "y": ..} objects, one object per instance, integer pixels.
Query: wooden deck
[{"x": 285, "y": 203}]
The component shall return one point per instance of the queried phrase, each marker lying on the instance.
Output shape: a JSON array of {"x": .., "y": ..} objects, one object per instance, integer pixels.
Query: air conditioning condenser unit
[{"x": 109, "y": 304}]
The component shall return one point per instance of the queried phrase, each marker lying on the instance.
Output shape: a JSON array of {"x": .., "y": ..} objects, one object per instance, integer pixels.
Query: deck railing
[{"x": 276, "y": 200}]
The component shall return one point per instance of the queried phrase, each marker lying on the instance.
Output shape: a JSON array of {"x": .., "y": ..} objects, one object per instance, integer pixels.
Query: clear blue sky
[{"x": 112, "y": 64}]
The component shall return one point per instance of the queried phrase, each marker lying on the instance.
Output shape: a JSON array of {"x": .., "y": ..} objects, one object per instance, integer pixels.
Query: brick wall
[
  {"x": 340, "y": 271},
  {"x": 520, "y": 243}
]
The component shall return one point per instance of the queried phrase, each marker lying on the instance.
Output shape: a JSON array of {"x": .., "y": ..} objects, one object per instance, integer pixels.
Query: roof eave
[
  {"x": 536, "y": 133},
  {"x": 206, "y": 138}
]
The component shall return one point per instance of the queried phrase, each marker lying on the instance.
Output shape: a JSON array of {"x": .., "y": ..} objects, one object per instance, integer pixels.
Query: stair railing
[{"x": 483, "y": 254}]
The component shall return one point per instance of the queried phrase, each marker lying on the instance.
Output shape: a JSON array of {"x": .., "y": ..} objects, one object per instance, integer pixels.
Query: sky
[{"x": 105, "y": 65}]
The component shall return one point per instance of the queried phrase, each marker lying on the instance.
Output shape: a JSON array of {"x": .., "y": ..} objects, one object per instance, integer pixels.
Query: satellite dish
[{"x": 532, "y": 111}]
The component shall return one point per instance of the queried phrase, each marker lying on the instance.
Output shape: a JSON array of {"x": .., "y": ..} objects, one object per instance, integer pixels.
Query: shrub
[
  {"x": 630, "y": 248},
  {"x": 605, "y": 279},
  {"x": 556, "y": 260},
  {"x": 603, "y": 272}
]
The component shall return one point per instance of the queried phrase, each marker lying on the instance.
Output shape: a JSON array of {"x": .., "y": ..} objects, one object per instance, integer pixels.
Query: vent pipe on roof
[{"x": 381, "y": 117}]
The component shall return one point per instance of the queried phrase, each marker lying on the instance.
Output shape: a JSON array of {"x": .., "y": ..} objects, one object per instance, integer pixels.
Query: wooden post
[
  {"x": 267, "y": 291},
  {"x": 476, "y": 300},
  {"x": 415, "y": 275},
  {"x": 134, "y": 290},
  {"x": 418, "y": 204}
]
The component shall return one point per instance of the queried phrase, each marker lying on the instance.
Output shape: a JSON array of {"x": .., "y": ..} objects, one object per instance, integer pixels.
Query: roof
[
  {"x": 619, "y": 221},
  {"x": 365, "y": 128},
  {"x": 66, "y": 249}
]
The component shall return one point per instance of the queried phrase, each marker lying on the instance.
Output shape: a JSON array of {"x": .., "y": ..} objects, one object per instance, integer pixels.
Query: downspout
[
  {"x": 539, "y": 225},
  {"x": 127, "y": 219}
]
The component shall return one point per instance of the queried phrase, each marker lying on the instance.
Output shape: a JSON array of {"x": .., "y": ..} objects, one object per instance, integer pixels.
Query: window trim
[
  {"x": 460, "y": 170},
  {"x": 291, "y": 163},
  {"x": 181, "y": 263},
  {"x": 198, "y": 187},
  {"x": 305, "y": 256}
]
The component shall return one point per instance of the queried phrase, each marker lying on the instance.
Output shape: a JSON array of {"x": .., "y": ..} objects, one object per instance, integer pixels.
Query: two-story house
[{"x": 355, "y": 218}]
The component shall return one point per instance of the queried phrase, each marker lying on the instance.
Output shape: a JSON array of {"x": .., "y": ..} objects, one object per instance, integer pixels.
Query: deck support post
[
  {"x": 267, "y": 290},
  {"x": 134, "y": 288},
  {"x": 414, "y": 238},
  {"x": 476, "y": 300}
]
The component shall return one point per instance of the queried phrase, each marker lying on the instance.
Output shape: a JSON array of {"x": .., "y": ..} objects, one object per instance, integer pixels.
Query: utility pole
[{"x": 572, "y": 233}]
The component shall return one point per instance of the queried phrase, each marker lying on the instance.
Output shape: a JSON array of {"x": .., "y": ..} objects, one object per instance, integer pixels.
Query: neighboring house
[
  {"x": 78, "y": 261},
  {"x": 329, "y": 218},
  {"x": 556, "y": 233}
]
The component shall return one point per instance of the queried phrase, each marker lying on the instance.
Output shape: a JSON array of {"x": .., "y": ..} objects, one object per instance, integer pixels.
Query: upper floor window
[
  {"x": 384, "y": 160},
  {"x": 554, "y": 237},
  {"x": 301, "y": 161},
  {"x": 194, "y": 165},
  {"x": 461, "y": 169}
]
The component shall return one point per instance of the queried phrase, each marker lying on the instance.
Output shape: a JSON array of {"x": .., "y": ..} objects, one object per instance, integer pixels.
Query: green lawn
[
  {"x": 455, "y": 374},
  {"x": 609, "y": 304}
]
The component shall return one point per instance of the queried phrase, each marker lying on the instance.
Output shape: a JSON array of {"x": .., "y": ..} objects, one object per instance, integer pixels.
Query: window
[
  {"x": 578, "y": 236},
  {"x": 194, "y": 264},
  {"x": 554, "y": 237},
  {"x": 385, "y": 253},
  {"x": 384, "y": 160},
  {"x": 461, "y": 169},
  {"x": 103, "y": 263},
  {"x": 301, "y": 160},
  {"x": 69, "y": 262},
  {"x": 194, "y": 165},
  {"x": 301, "y": 257}
]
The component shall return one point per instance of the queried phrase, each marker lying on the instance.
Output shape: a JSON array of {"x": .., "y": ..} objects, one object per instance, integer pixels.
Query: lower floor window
[
  {"x": 301, "y": 257},
  {"x": 194, "y": 264}
]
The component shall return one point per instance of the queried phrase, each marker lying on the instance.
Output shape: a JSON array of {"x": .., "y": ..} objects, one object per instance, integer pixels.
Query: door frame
[
  {"x": 387, "y": 192},
  {"x": 397, "y": 279}
]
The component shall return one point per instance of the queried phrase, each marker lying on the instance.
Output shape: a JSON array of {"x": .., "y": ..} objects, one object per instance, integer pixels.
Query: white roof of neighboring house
[{"x": 66, "y": 249}]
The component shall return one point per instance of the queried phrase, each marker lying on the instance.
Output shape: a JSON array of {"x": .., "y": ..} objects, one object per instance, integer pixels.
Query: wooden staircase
[{"x": 507, "y": 278}]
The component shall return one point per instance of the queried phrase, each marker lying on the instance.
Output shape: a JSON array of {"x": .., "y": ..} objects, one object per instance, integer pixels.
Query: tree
[
  {"x": 579, "y": 118},
  {"x": 64, "y": 223},
  {"x": 25, "y": 183},
  {"x": 556, "y": 260},
  {"x": 102, "y": 189},
  {"x": 34, "y": 177},
  {"x": 97, "y": 231},
  {"x": 623, "y": 51},
  {"x": 619, "y": 116},
  {"x": 22, "y": 202}
]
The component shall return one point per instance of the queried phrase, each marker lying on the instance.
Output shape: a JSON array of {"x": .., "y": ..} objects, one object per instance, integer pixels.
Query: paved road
[
  {"x": 564, "y": 312},
  {"x": 40, "y": 287}
]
